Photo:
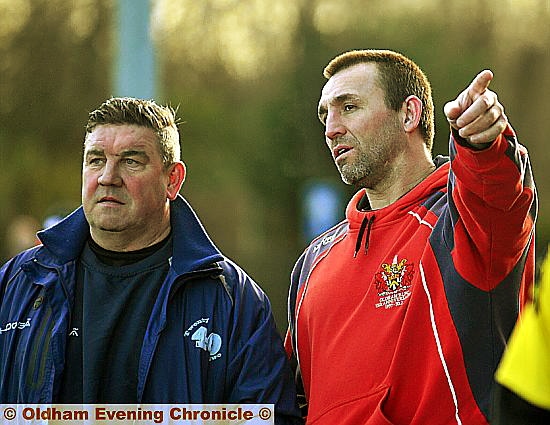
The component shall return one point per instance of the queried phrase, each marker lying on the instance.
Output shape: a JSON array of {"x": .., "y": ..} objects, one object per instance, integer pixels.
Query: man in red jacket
[{"x": 400, "y": 313}]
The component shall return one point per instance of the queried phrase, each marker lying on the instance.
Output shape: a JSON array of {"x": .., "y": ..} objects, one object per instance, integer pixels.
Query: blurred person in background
[
  {"x": 55, "y": 213},
  {"x": 127, "y": 300},
  {"x": 523, "y": 394},
  {"x": 21, "y": 234},
  {"x": 400, "y": 313}
]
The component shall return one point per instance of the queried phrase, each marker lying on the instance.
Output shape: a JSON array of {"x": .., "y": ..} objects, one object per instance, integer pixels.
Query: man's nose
[
  {"x": 110, "y": 175},
  {"x": 334, "y": 126}
]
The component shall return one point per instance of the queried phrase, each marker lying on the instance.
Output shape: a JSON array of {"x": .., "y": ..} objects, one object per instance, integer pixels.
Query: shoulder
[
  {"x": 239, "y": 285},
  {"x": 320, "y": 245},
  {"x": 13, "y": 276},
  {"x": 15, "y": 263}
]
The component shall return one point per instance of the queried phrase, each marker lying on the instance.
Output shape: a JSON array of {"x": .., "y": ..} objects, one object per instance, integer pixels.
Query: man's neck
[
  {"x": 120, "y": 242},
  {"x": 390, "y": 190},
  {"x": 118, "y": 258}
]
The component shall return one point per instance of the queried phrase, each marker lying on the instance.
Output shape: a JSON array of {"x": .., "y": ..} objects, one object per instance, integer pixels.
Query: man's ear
[
  {"x": 176, "y": 175},
  {"x": 412, "y": 108}
]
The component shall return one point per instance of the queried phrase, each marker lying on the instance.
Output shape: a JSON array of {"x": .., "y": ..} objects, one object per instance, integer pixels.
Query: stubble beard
[
  {"x": 355, "y": 172},
  {"x": 373, "y": 157}
]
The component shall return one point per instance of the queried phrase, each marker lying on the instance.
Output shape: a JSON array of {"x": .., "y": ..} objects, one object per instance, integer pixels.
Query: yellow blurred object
[{"x": 525, "y": 366}]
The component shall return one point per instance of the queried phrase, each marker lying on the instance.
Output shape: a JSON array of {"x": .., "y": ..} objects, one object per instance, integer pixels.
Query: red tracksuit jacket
[{"x": 400, "y": 315}]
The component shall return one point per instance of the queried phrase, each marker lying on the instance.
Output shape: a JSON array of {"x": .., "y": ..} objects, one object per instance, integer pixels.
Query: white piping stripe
[
  {"x": 438, "y": 343},
  {"x": 420, "y": 220}
]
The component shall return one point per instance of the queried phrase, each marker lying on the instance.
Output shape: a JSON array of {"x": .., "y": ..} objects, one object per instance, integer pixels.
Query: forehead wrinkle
[{"x": 338, "y": 98}]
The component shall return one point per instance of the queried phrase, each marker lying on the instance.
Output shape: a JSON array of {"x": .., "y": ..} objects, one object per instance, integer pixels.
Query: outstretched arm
[{"x": 493, "y": 199}]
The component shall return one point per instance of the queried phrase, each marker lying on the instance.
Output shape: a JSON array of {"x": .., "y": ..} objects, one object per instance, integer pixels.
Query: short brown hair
[
  {"x": 399, "y": 77},
  {"x": 144, "y": 113}
]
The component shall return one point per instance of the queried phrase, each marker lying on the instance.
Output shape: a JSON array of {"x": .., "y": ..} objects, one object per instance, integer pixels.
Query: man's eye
[
  {"x": 349, "y": 107},
  {"x": 130, "y": 161},
  {"x": 95, "y": 161}
]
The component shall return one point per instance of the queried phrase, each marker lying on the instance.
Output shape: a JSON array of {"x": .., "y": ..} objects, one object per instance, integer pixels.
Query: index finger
[{"x": 480, "y": 83}]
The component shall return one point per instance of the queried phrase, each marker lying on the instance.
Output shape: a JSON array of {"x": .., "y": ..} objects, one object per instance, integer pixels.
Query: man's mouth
[
  {"x": 110, "y": 200},
  {"x": 340, "y": 150}
]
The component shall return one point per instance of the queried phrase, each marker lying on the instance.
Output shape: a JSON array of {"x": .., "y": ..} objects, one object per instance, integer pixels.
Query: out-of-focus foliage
[
  {"x": 55, "y": 65},
  {"x": 246, "y": 75}
]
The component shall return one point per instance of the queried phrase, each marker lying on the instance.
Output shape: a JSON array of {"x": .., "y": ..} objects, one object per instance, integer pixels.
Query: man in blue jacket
[{"x": 127, "y": 300}]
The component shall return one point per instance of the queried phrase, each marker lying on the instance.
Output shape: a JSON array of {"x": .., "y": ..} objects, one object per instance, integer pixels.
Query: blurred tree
[
  {"x": 55, "y": 66},
  {"x": 246, "y": 75}
]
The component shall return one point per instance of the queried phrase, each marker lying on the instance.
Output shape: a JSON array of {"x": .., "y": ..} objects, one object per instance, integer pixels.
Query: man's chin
[
  {"x": 108, "y": 227},
  {"x": 348, "y": 179}
]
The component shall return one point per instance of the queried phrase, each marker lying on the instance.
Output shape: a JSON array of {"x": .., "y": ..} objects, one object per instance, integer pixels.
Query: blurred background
[{"x": 246, "y": 77}]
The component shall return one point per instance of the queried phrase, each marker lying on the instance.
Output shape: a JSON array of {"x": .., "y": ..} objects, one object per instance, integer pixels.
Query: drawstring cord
[
  {"x": 365, "y": 224},
  {"x": 360, "y": 236}
]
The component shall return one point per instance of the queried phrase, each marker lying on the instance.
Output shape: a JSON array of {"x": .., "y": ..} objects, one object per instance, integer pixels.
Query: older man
[{"x": 127, "y": 300}]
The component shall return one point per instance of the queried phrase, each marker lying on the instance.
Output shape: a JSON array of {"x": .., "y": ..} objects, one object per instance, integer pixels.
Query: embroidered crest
[{"x": 393, "y": 282}]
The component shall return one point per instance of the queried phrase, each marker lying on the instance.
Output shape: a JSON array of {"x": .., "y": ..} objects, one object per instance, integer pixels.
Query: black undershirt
[{"x": 114, "y": 295}]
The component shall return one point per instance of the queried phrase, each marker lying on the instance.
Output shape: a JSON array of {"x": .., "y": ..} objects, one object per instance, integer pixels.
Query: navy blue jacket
[{"x": 211, "y": 337}]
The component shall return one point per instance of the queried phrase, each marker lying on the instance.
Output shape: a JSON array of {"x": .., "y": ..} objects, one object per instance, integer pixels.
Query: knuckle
[
  {"x": 487, "y": 102},
  {"x": 495, "y": 114}
]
